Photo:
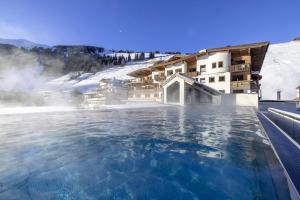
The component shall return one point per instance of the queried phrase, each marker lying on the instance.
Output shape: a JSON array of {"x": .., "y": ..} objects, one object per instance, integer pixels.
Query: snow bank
[
  {"x": 281, "y": 71},
  {"x": 35, "y": 109}
]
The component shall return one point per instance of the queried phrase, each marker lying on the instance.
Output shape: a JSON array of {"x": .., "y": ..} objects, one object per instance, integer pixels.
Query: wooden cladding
[{"x": 240, "y": 84}]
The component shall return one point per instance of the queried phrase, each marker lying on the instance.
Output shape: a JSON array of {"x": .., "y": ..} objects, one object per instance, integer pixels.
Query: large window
[
  {"x": 220, "y": 64},
  {"x": 211, "y": 79},
  {"x": 178, "y": 70},
  {"x": 213, "y": 65},
  {"x": 193, "y": 69},
  {"x": 221, "y": 78},
  {"x": 169, "y": 72},
  {"x": 238, "y": 91},
  {"x": 202, "y": 68},
  {"x": 202, "y": 80},
  {"x": 237, "y": 78}
]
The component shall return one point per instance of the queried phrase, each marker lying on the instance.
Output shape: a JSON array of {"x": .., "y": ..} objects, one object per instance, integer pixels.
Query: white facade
[
  {"x": 173, "y": 69},
  {"x": 221, "y": 81},
  {"x": 214, "y": 69}
]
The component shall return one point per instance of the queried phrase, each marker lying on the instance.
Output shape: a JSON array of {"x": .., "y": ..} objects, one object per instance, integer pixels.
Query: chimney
[{"x": 278, "y": 95}]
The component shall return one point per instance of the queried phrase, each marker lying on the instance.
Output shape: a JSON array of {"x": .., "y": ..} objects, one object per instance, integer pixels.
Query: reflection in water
[{"x": 163, "y": 153}]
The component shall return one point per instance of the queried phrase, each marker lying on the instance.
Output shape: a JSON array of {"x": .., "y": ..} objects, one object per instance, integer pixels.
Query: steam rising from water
[{"x": 22, "y": 80}]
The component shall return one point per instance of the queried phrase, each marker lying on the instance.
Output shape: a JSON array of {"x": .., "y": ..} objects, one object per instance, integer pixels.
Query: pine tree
[
  {"x": 142, "y": 56},
  {"x": 129, "y": 58},
  {"x": 136, "y": 57},
  {"x": 151, "y": 55}
]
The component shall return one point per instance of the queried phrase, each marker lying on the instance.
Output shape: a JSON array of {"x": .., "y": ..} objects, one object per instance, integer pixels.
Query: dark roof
[{"x": 258, "y": 52}]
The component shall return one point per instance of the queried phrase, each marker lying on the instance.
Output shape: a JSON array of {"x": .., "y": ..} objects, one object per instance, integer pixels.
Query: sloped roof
[
  {"x": 258, "y": 51},
  {"x": 192, "y": 82}
]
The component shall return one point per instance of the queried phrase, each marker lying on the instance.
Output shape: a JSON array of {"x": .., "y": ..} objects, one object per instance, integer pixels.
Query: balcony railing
[
  {"x": 160, "y": 78},
  {"x": 145, "y": 91},
  {"x": 143, "y": 81},
  {"x": 192, "y": 74},
  {"x": 240, "y": 84},
  {"x": 240, "y": 68}
]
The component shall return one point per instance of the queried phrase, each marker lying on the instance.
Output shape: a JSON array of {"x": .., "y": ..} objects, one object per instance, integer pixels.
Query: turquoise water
[{"x": 154, "y": 153}]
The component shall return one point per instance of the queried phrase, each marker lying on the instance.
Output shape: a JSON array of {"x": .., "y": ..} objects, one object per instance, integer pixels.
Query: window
[
  {"x": 221, "y": 78},
  {"x": 169, "y": 72},
  {"x": 211, "y": 79},
  {"x": 178, "y": 70},
  {"x": 237, "y": 62},
  {"x": 192, "y": 70},
  {"x": 202, "y": 80},
  {"x": 156, "y": 77},
  {"x": 222, "y": 91},
  {"x": 147, "y": 95},
  {"x": 220, "y": 64},
  {"x": 202, "y": 68},
  {"x": 237, "y": 78},
  {"x": 214, "y": 65},
  {"x": 238, "y": 91},
  {"x": 196, "y": 79}
]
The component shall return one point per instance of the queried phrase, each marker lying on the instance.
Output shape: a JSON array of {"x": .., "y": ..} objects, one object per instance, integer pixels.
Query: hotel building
[{"x": 227, "y": 70}]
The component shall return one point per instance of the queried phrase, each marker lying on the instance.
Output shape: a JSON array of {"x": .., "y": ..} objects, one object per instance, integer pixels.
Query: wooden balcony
[
  {"x": 240, "y": 68},
  {"x": 245, "y": 84},
  {"x": 144, "y": 91},
  {"x": 192, "y": 74},
  {"x": 160, "y": 78}
]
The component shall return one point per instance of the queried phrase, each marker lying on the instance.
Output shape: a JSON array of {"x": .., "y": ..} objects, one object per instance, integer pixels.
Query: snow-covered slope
[
  {"x": 87, "y": 81},
  {"x": 21, "y": 43},
  {"x": 281, "y": 70}
]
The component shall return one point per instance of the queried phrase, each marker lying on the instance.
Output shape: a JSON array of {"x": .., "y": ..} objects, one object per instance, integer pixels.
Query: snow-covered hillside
[
  {"x": 87, "y": 81},
  {"x": 281, "y": 70},
  {"x": 21, "y": 43}
]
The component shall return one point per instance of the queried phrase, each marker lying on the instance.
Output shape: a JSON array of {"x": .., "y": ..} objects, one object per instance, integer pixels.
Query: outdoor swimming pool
[{"x": 153, "y": 153}]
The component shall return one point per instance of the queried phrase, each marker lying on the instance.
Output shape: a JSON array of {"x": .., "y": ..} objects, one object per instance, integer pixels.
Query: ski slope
[
  {"x": 281, "y": 71},
  {"x": 88, "y": 81}
]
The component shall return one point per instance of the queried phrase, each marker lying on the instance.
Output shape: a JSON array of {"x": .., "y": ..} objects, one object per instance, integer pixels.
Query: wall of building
[
  {"x": 159, "y": 74},
  {"x": 176, "y": 66},
  {"x": 240, "y": 100},
  {"x": 223, "y": 86},
  {"x": 207, "y": 60},
  {"x": 181, "y": 91}
]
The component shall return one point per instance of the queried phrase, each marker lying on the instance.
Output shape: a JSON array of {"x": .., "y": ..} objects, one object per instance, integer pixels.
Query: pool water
[{"x": 154, "y": 153}]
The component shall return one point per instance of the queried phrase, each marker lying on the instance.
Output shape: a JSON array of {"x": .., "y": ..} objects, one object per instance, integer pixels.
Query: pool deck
[{"x": 285, "y": 148}]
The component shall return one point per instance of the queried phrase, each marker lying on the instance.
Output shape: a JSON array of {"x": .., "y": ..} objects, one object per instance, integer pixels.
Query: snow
[
  {"x": 22, "y": 43},
  {"x": 281, "y": 71},
  {"x": 49, "y": 109},
  {"x": 89, "y": 81},
  {"x": 35, "y": 109}
]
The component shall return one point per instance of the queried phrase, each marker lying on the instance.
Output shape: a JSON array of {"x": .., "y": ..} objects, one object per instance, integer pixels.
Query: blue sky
[{"x": 165, "y": 25}]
